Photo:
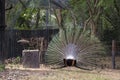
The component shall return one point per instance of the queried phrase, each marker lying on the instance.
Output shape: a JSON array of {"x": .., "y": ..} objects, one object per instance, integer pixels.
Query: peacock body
[{"x": 73, "y": 47}]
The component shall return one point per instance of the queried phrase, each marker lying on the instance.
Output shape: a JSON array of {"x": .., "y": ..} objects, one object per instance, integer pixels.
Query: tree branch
[
  {"x": 57, "y": 19},
  {"x": 38, "y": 17},
  {"x": 116, "y": 7},
  {"x": 11, "y": 6},
  {"x": 24, "y": 6},
  {"x": 90, "y": 9},
  {"x": 72, "y": 14}
]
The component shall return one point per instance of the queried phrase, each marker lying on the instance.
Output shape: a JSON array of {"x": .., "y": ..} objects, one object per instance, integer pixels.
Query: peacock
[{"x": 74, "y": 47}]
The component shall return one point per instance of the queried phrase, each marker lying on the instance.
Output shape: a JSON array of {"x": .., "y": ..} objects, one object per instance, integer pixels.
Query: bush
[
  {"x": 2, "y": 67},
  {"x": 16, "y": 60}
]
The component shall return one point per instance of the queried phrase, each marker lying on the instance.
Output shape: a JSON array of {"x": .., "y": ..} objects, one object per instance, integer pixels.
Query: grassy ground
[
  {"x": 69, "y": 73},
  {"x": 17, "y": 72},
  {"x": 76, "y": 75}
]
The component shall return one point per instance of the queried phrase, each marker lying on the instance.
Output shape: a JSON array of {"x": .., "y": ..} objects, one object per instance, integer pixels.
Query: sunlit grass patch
[
  {"x": 71, "y": 74},
  {"x": 67, "y": 73}
]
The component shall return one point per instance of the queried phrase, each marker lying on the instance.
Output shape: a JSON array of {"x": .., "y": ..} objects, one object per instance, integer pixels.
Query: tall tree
[{"x": 112, "y": 15}]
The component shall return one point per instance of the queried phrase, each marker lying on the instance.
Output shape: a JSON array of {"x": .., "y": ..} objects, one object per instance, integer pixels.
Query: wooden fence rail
[{"x": 13, "y": 49}]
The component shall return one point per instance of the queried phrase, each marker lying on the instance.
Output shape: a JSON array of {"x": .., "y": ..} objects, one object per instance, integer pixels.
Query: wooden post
[
  {"x": 113, "y": 53},
  {"x": 42, "y": 52},
  {"x": 30, "y": 58},
  {"x": 2, "y": 30},
  {"x": 2, "y": 14}
]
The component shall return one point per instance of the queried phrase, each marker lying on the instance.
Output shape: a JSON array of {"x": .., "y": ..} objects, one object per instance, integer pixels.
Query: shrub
[{"x": 2, "y": 67}]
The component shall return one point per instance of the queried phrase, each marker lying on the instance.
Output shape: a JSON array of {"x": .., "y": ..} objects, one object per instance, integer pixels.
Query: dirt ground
[
  {"x": 69, "y": 73},
  {"x": 17, "y": 72}
]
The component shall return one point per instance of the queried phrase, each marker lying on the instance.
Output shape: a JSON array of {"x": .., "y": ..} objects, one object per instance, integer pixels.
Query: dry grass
[
  {"x": 68, "y": 73},
  {"x": 107, "y": 62},
  {"x": 77, "y": 74},
  {"x": 17, "y": 72}
]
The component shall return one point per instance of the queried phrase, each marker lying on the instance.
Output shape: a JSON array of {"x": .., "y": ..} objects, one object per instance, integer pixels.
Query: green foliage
[
  {"x": 16, "y": 60},
  {"x": 111, "y": 20},
  {"x": 108, "y": 20},
  {"x": 79, "y": 7},
  {"x": 27, "y": 14},
  {"x": 2, "y": 67},
  {"x": 106, "y": 4},
  {"x": 31, "y": 14}
]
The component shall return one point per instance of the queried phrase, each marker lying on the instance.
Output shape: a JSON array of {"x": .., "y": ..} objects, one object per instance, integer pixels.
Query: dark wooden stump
[{"x": 30, "y": 58}]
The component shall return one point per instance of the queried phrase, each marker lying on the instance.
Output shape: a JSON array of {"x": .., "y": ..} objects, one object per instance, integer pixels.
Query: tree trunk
[{"x": 30, "y": 58}]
